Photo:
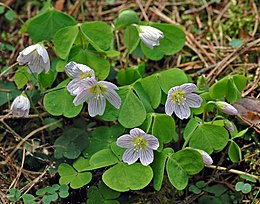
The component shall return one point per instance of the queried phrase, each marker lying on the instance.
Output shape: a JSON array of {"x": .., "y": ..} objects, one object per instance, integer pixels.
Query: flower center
[
  {"x": 179, "y": 96},
  {"x": 98, "y": 90},
  {"x": 139, "y": 143},
  {"x": 84, "y": 75}
]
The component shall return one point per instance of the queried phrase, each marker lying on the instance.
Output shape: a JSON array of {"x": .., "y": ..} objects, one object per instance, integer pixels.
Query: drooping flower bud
[
  {"x": 149, "y": 35},
  {"x": 207, "y": 160},
  {"x": 226, "y": 108},
  {"x": 20, "y": 106},
  {"x": 229, "y": 125}
]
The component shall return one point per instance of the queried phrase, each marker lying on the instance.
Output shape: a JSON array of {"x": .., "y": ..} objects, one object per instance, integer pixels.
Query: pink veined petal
[
  {"x": 36, "y": 64},
  {"x": 43, "y": 53},
  {"x": 188, "y": 87},
  {"x": 96, "y": 106},
  {"x": 74, "y": 86},
  {"x": 113, "y": 98},
  {"x": 193, "y": 100},
  {"x": 136, "y": 132},
  {"x": 109, "y": 85},
  {"x": 125, "y": 141},
  {"x": 81, "y": 97},
  {"x": 146, "y": 156},
  {"x": 169, "y": 106},
  {"x": 23, "y": 59},
  {"x": 89, "y": 82},
  {"x": 182, "y": 111},
  {"x": 172, "y": 90},
  {"x": 130, "y": 156},
  {"x": 72, "y": 70},
  {"x": 148, "y": 42},
  {"x": 151, "y": 141},
  {"x": 29, "y": 50}
]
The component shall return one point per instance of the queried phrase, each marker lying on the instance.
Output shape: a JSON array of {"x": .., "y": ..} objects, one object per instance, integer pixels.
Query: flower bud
[
  {"x": 226, "y": 108},
  {"x": 149, "y": 35},
  {"x": 229, "y": 126},
  {"x": 205, "y": 156},
  {"x": 20, "y": 106}
]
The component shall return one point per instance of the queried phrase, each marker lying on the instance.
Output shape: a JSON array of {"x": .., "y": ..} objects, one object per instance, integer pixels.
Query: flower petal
[
  {"x": 113, "y": 98},
  {"x": 172, "y": 90},
  {"x": 151, "y": 141},
  {"x": 148, "y": 42},
  {"x": 136, "y": 132},
  {"x": 146, "y": 156},
  {"x": 28, "y": 50},
  {"x": 169, "y": 106},
  {"x": 74, "y": 86},
  {"x": 109, "y": 85},
  {"x": 72, "y": 70},
  {"x": 188, "y": 87},
  {"x": 182, "y": 110},
  {"x": 125, "y": 141},
  {"x": 96, "y": 106},
  {"x": 81, "y": 97},
  {"x": 130, "y": 156},
  {"x": 193, "y": 100},
  {"x": 36, "y": 64},
  {"x": 43, "y": 53},
  {"x": 206, "y": 158}
]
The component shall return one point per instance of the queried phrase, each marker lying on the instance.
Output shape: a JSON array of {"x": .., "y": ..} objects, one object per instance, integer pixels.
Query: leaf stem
[{"x": 189, "y": 136}]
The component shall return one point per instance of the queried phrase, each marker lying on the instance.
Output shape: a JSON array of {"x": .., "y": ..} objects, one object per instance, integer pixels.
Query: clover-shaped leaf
[
  {"x": 71, "y": 143},
  {"x": 45, "y": 25},
  {"x": 128, "y": 177},
  {"x": 101, "y": 138},
  {"x": 209, "y": 138},
  {"x": 60, "y": 102},
  {"x": 182, "y": 164},
  {"x": 68, "y": 175},
  {"x": 244, "y": 187}
]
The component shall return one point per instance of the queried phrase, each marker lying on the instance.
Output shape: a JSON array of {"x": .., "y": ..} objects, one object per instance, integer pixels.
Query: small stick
[
  {"x": 30, "y": 135},
  {"x": 232, "y": 171}
]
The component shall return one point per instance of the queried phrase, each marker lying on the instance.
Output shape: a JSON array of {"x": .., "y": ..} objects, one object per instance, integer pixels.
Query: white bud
[{"x": 20, "y": 106}]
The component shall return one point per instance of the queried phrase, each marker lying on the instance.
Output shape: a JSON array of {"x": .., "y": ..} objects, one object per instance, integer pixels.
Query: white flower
[
  {"x": 77, "y": 72},
  {"x": 37, "y": 58},
  {"x": 226, "y": 108},
  {"x": 20, "y": 106},
  {"x": 96, "y": 94},
  {"x": 180, "y": 99},
  {"x": 149, "y": 35},
  {"x": 139, "y": 145}
]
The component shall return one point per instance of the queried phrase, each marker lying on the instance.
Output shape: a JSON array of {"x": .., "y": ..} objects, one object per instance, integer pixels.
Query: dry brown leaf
[
  {"x": 249, "y": 111},
  {"x": 59, "y": 5}
]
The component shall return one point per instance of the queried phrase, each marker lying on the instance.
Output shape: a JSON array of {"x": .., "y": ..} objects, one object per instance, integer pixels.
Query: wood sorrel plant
[{"x": 134, "y": 101}]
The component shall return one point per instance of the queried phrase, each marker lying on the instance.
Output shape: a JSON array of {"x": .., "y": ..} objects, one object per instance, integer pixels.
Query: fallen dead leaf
[{"x": 249, "y": 111}]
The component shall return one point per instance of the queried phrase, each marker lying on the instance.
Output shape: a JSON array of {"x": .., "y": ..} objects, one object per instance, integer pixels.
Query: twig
[
  {"x": 8, "y": 69},
  {"x": 15, "y": 181},
  {"x": 36, "y": 180},
  {"x": 232, "y": 171},
  {"x": 142, "y": 10},
  {"x": 30, "y": 135},
  {"x": 5, "y": 117}
]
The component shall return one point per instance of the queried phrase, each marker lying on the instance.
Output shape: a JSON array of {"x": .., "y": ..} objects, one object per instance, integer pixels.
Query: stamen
[{"x": 179, "y": 96}]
